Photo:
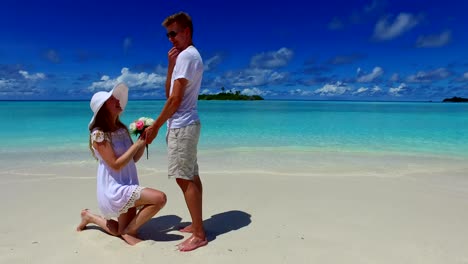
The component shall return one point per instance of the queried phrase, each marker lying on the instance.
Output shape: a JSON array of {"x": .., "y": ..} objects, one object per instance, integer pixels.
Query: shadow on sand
[
  {"x": 155, "y": 229},
  {"x": 222, "y": 223},
  {"x": 158, "y": 228}
]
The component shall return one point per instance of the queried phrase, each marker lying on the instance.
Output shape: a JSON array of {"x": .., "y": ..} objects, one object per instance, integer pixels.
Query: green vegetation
[
  {"x": 456, "y": 100},
  {"x": 228, "y": 96}
]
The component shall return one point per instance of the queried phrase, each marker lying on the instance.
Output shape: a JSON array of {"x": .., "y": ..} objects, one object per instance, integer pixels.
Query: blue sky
[{"x": 307, "y": 50}]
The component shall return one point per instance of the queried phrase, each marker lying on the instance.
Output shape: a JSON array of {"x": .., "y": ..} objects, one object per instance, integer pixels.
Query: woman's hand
[{"x": 141, "y": 142}]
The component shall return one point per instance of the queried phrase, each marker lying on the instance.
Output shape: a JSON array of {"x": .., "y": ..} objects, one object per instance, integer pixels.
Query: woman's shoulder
[{"x": 97, "y": 135}]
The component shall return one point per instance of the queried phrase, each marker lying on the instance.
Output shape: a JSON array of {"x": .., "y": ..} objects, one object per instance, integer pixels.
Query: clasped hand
[{"x": 149, "y": 134}]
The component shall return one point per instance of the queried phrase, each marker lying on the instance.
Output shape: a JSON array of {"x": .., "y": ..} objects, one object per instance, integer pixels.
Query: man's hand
[
  {"x": 172, "y": 56},
  {"x": 150, "y": 134}
]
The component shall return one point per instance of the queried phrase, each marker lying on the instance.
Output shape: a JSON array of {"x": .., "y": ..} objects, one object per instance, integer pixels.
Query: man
[{"x": 183, "y": 81}]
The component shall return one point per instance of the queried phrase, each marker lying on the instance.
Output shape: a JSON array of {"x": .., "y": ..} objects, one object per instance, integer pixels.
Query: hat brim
[{"x": 120, "y": 91}]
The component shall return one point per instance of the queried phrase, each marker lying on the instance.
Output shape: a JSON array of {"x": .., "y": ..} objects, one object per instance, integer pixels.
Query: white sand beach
[{"x": 263, "y": 206}]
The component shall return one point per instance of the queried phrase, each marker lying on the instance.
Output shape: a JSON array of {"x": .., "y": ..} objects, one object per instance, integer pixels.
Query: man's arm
[
  {"x": 172, "y": 103},
  {"x": 171, "y": 106},
  {"x": 172, "y": 57},
  {"x": 168, "y": 81}
]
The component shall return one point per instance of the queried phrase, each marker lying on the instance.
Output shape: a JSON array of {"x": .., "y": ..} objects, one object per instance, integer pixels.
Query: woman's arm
[
  {"x": 107, "y": 153},
  {"x": 139, "y": 153}
]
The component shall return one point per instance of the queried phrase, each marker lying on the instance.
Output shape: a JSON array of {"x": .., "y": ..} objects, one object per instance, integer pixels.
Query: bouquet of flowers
[{"x": 138, "y": 126}]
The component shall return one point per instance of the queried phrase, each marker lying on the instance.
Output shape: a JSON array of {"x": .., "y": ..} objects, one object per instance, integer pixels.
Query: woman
[{"x": 118, "y": 191}]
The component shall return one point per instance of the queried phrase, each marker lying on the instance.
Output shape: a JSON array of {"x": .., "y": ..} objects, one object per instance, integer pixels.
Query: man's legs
[
  {"x": 182, "y": 155},
  {"x": 193, "y": 192}
]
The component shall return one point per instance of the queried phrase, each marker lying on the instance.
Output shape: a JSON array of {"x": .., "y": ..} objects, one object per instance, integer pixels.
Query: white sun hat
[{"x": 120, "y": 91}]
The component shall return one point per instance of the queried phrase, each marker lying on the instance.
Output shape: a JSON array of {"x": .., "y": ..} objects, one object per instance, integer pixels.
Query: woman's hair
[{"x": 103, "y": 123}]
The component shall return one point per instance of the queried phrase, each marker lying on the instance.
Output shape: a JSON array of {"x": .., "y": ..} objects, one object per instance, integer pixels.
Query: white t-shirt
[{"x": 189, "y": 65}]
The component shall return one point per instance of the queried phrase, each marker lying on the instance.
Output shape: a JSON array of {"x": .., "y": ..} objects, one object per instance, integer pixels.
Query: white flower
[
  {"x": 132, "y": 127},
  {"x": 149, "y": 121},
  {"x": 146, "y": 121}
]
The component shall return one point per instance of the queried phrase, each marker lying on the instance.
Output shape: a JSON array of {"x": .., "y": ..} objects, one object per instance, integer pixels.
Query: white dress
[{"x": 117, "y": 191}]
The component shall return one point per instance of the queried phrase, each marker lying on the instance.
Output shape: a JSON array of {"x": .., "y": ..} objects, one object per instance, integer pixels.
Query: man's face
[{"x": 177, "y": 35}]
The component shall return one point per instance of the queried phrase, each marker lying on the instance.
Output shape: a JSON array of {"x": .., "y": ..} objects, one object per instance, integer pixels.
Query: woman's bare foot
[
  {"x": 131, "y": 239},
  {"x": 85, "y": 219},
  {"x": 192, "y": 243}
]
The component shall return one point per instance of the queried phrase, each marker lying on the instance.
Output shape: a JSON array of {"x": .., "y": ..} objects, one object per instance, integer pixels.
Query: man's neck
[{"x": 188, "y": 45}]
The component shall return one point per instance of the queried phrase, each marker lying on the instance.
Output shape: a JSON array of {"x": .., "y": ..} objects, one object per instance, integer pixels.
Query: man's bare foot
[
  {"x": 85, "y": 219},
  {"x": 187, "y": 229},
  {"x": 131, "y": 239},
  {"x": 192, "y": 243}
]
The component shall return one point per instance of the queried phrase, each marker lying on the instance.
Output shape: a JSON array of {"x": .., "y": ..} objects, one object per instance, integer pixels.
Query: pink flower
[{"x": 140, "y": 125}]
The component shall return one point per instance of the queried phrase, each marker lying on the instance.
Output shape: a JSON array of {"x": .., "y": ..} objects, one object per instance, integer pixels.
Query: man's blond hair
[{"x": 183, "y": 19}]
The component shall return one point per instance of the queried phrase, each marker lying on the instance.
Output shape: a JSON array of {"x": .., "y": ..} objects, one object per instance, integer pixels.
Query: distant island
[
  {"x": 456, "y": 100},
  {"x": 229, "y": 96}
]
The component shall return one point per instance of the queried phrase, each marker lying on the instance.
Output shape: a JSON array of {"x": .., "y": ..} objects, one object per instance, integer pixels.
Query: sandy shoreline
[{"x": 260, "y": 207}]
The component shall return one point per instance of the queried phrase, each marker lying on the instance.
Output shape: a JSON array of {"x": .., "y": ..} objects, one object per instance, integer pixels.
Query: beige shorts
[{"x": 182, "y": 151}]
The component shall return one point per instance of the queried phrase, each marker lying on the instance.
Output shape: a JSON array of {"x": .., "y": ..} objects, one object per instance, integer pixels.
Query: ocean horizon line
[{"x": 286, "y": 100}]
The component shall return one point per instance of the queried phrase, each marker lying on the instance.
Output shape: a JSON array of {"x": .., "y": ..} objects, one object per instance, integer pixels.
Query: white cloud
[
  {"x": 395, "y": 91},
  {"x": 253, "y": 77},
  {"x": 32, "y": 77},
  {"x": 272, "y": 59},
  {"x": 338, "y": 88},
  {"x": 254, "y": 91},
  {"x": 5, "y": 84},
  {"x": 429, "y": 76},
  {"x": 301, "y": 92},
  {"x": 277, "y": 77},
  {"x": 206, "y": 91},
  {"x": 376, "y": 73},
  {"x": 141, "y": 80},
  {"x": 365, "y": 90},
  {"x": 385, "y": 29},
  {"x": 432, "y": 41},
  {"x": 212, "y": 62},
  {"x": 14, "y": 88},
  {"x": 463, "y": 77},
  {"x": 25, "y": 86},
  {"x": 362, "y": 90},
  {"x": 376, "y": 89}
]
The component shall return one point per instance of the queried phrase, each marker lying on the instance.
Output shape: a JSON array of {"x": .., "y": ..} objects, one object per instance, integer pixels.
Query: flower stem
[{"x": 146, "y": 151}]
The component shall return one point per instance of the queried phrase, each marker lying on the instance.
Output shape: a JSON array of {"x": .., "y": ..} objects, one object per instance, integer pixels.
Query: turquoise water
[{"x": 398, "y": 127}]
